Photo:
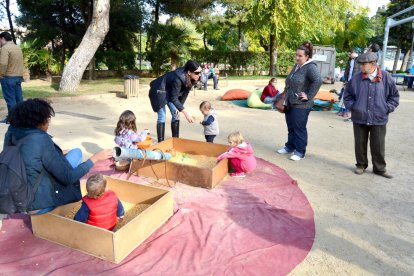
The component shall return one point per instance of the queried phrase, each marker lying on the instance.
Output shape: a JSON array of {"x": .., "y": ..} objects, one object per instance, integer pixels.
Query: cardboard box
[
  {"x": 102, "y": 243},
  {"x": 191, "y": 175}
]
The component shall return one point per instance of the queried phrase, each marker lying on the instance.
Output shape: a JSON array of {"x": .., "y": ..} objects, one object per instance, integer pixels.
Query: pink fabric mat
[{"x": 259, "y": 225}]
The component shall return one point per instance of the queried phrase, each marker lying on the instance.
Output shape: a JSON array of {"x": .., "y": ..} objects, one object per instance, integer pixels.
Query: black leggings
[{"x": 210, "y": 138}]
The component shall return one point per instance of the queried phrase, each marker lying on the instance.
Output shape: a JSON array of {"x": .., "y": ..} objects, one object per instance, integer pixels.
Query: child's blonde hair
[
  {"x": 206, "y": 105},
  {"x": 126, "y": 121},
  {"x": 95, "y": 185},
  {"x": 236, "y": 137}
]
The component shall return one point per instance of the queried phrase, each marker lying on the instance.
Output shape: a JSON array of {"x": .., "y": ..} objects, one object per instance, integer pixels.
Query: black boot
[
  {"x": 160, "y": 131},
  {"x": 175, "y": 128}
]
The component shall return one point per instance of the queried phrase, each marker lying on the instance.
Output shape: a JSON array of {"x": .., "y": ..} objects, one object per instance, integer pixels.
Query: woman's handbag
[{"x": 280, "y": 103}]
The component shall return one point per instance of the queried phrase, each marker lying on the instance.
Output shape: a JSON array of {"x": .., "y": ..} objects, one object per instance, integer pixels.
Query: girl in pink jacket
[{"x": 240, "y": 154}]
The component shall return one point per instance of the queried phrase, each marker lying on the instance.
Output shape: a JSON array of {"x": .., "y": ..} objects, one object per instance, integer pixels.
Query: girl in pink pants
[{"x": 240, "y": 154}]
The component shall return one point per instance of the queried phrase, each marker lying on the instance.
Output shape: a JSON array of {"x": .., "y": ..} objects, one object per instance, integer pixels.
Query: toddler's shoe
[{"x": 240, "y": 174}]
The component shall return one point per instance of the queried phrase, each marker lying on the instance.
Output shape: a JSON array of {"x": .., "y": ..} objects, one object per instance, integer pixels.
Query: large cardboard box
[
  {"x": 187, "y": 174},
  {"x": 101, "y": 243}
]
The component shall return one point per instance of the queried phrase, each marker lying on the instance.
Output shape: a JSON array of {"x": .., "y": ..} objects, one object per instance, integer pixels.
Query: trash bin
[{"x": 131, "y": 86}]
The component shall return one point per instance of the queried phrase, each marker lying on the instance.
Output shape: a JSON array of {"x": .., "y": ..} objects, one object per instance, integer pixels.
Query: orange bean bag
[
  {"x": 235, "y": 94},
  {"x": 325, "y": 96}
]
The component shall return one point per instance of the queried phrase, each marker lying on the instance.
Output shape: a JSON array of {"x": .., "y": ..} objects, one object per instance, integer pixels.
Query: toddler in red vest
[{"x": 100, "y": 207}]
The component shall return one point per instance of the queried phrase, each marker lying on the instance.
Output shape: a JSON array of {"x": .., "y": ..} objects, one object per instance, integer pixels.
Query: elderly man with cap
[{"x": 371, "y": 95}]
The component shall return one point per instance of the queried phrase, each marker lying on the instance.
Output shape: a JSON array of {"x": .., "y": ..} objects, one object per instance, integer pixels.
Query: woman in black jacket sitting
[{"x": 172, "y": 90}]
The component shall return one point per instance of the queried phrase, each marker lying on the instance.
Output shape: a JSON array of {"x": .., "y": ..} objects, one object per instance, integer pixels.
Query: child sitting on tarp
[
  {"x": 100, "y": 207},
  {"x": 240, "y": 154},
  {"x": 270, "y": 93},
  {"x": 126, "y": 131}
]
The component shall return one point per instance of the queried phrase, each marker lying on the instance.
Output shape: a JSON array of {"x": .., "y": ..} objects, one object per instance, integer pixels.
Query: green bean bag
[{"x": 254, "y": 101}]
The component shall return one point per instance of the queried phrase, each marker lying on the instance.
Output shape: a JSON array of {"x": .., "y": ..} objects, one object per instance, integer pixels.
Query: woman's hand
[
  {"x": 188, "y": 116},
  {"x": 303, "y": 97},
  {"x": 101, "y": 155}
]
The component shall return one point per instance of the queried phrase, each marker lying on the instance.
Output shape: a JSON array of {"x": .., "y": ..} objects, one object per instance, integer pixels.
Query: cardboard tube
[{"x": 124, "y": 153}]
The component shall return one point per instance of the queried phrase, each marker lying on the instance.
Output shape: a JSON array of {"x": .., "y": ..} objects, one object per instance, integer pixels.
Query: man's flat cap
[{"x": 367, "y": 57}]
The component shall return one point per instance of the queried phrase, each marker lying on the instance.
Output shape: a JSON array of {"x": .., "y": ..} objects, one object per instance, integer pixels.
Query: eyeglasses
[{"x": 196, "y": 73}]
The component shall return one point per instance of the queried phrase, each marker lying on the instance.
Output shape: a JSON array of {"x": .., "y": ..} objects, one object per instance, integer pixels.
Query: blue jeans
[
  {"x": 12, "y": 90},
  {"x": 296, "y": 121},
  {"x": 162, "y": 113},
  {"x": 74, "y": 156},
  {"x": 215, "y": 80}
]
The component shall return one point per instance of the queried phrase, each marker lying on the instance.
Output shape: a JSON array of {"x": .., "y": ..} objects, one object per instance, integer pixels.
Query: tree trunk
[
  {"x": 95, "y": 34},
  {"x": 239, "y": 33},
  {"x": 155, "y": 26},
  {"x": 396, "y": 59},
  {"x": 205, "y": 39},
  {"x": 92, "y": 69},
  {"x": 10, "y": 21},
  {"x": 272, "y": 52},
  {"x": 405, "y": 61}
]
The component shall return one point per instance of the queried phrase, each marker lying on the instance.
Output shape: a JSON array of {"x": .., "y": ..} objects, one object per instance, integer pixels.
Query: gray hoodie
[{"x": 306, "y": 79}]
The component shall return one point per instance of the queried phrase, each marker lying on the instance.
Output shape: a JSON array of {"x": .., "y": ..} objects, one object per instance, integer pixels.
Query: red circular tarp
[{"x": 259, "y": 225}]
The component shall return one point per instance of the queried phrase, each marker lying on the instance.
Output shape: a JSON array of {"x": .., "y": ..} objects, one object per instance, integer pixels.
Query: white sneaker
[
  {"x": 282, "y": 151},
  {"x": 296, "y": 157}
]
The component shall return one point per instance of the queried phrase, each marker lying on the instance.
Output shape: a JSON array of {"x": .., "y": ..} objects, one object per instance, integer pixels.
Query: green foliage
[
  {"x": 341, "y": 59},
  {"x": 39, "y": 60},
  {"x": 60, "y": 22},
  {"x": 116, "y": 60},
  {"x": 175, "y": 40},
  {"x": 357, "y": 32},
  {"x": 400, "y": 35},
  {"x": 285, "y": 59},
  {"x": 251, "y": 62},
  {"x": 117, "y": 49}
]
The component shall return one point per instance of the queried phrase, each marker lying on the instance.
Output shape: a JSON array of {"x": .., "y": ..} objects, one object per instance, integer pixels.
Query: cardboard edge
[{"x": 168, "y": 197}]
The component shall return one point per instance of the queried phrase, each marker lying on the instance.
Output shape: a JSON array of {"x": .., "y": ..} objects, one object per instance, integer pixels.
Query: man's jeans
[
  {"x": 162, "y": 114},
  {"x": 296, "y": 121},
  {"x": 215, "y": 80},
  {"x": 12, "y": 90}
]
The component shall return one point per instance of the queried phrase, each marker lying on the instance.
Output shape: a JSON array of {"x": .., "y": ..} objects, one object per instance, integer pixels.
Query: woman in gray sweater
[{"x": 302, "y": 84}]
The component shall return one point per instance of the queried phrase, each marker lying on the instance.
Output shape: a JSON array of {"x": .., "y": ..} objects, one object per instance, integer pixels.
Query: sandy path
[{"x": 364, "y": 224}]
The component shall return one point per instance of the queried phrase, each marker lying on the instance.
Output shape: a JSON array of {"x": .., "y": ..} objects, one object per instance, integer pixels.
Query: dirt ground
[{"x": 364, "y": 224}]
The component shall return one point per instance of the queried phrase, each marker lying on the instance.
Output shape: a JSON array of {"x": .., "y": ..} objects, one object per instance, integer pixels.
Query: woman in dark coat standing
[
  {"x": 302, "y": 84},
  {"x": 172, "y": 90}
]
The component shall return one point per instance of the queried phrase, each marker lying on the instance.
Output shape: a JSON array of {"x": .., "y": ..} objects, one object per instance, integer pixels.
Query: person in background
[
  {"x": 351, "y": 69},
  {"x": 210, "y": 122},
  {"x": 11, "y": 72},
  {"x": 270, "y": 93},
  {"x": 371, "y": 95},
  {"x": 100, "y": 207},
  {"x": 240, "y": 155},
  {"x": 375, "y": 48},
  {"x": 410, "y": 80},
  {"x": 209, "y": 73},
  {"x": 302, "y": 84},
  {"x": 172, "y": 89}
]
